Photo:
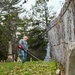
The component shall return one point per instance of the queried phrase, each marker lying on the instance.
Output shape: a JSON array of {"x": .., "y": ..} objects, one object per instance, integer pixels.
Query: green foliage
[
  {"x": 3, "y": 44},
  {"x": 42, "y": 12},
  {"x": 41, "y": 17},
  {"x": 29, "y": 68},
  {"x": 10, "y": 21},
  {"x": 37, "y": 42}
]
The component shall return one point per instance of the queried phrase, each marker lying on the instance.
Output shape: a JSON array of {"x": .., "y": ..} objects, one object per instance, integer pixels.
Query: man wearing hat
[{"x": 23, "y": 50}]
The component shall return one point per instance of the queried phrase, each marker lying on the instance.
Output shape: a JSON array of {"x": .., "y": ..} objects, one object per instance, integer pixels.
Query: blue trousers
[{"x": 23, "y": 55}]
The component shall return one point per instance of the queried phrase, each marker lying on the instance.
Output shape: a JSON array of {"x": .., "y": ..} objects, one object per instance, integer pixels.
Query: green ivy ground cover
[{"x": 29, "y": 68}]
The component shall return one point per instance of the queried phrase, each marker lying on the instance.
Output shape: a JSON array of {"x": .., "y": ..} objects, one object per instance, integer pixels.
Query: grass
[{"x": 29, "y": 68}]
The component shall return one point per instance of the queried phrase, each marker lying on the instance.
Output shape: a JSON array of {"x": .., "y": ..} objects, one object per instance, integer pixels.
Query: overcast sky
[{"x": 56, "y": 3}]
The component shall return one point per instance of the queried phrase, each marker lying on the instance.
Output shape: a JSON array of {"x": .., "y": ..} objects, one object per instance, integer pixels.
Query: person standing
[{"x": 24, "y": 49}]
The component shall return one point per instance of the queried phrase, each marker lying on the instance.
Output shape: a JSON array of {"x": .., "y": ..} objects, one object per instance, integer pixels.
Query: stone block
[{"x": 70, "y": 69}]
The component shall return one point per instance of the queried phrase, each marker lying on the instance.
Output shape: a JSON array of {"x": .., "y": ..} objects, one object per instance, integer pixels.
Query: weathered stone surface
[
  {"x": 61, "y": 33},
  {"x": 70, "y": 69},
  {"x": 10, "y": 57}
]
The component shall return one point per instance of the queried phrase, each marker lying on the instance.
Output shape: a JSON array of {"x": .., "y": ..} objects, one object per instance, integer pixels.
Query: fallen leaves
[{"x": 29, "y": 68}]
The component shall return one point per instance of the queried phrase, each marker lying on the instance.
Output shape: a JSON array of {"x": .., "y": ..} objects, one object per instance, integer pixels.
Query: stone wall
[{"x": 61, "y": 32}]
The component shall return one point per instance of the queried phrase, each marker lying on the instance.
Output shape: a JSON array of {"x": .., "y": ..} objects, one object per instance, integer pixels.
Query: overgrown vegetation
[{"x": 29, "y": 68}]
